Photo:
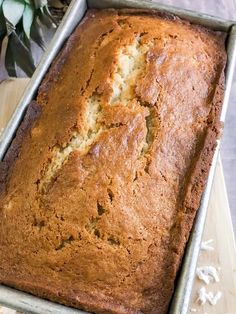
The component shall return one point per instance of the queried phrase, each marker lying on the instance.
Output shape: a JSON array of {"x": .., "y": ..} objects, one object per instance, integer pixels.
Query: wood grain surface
[
  {"x": 7, "y": 106},
  {"x": 218, "y": 228}
]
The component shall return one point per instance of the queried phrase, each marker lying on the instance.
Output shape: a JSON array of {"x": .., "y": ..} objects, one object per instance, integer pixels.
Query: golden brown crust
[
  {"x": 97, "y": 204},
  {"x": 32, "y": 113}
]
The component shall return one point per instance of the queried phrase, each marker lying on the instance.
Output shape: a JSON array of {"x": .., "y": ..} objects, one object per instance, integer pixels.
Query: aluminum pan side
[
  {"x": 183, "y": 290},
  {"x": 194, "y": 17},
  {"x": 72, "y": 17}
]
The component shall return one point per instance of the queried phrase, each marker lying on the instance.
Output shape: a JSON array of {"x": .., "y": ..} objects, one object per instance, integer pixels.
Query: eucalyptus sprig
[{"x": 23, "y": 21}]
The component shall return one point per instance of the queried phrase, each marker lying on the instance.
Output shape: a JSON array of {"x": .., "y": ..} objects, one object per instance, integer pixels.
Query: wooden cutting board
[{"x": 218, "y": 225}]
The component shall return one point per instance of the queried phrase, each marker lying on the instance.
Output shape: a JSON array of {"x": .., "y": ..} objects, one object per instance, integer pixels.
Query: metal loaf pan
[{"x": 27, "y": 303}]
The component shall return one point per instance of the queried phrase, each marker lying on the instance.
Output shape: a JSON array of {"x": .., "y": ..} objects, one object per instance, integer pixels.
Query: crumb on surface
[
  {"x": 207, "y": 274},
  {"x": 206, "y": 245},
  {"x": 205, "y": 296}
]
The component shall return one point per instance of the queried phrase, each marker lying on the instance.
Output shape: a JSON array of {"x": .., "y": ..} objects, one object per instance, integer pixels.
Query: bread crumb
[
  {"x": 193, "y": 310},
  {"x": 205, "y": 246},
  {"x": 210, "y": 297},
  {"x": 207, "y": 274}
]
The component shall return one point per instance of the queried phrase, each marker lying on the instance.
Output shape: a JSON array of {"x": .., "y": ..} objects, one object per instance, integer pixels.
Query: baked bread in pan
[{"x": 99, "y": 189}]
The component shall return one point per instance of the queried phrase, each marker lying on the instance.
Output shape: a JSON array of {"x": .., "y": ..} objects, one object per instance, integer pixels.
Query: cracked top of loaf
[{"x": 100, "y": 187}]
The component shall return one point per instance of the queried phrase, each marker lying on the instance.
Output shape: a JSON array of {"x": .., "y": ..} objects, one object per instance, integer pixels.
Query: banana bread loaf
[{"x": 101, "y": 184}]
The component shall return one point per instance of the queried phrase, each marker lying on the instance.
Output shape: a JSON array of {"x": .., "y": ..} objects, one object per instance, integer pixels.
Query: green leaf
[
  {"x": 40, "y": 3},
  {"x": 46, "y": 19},
  {"x": 36, "y": 34},
  {"x": 48, "y": 13},
  {"x": 1, "y": 40},
  {"x": 22, "y": 36},
  {"x": 28, "y": 18},
  {"x": 21, "y": 54},
  {"x": 28, "y": 2},
  {"x": 3, "y": 29},
  {"x": 13, "y": 10},
  {"x": 10, "y": 28},
  {"x": 57, "y": 4},
  {"x": 10, "y": 62}
]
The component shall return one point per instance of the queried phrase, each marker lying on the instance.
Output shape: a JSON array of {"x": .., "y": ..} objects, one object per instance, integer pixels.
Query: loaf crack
[
  {"x": 64, "y": 243},
  {"x": 151, "y": 127},
  {"x": 79, "y": 142},
  {"x": 131, "y": 65}
]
